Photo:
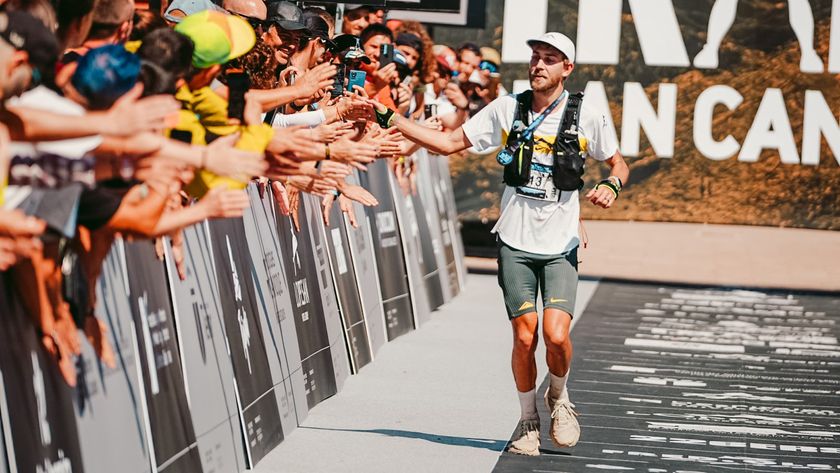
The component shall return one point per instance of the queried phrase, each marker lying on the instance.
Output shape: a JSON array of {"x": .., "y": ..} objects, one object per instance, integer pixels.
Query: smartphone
[
  {"x": 430, "y": 110},
  {"x": 356, "y": 78},
  {"x": 407, "y": 80},
  {"x": 338, "y": 83},
  {"x": 184, "y": 136},
  {"x": 238, "y": 85},
  {"x": 292, "y": 78},
  {"x": 386, "y": 54}
]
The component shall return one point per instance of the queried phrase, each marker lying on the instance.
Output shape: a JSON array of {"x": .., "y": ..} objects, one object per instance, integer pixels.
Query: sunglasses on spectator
[{"x": 255, "y": 23}]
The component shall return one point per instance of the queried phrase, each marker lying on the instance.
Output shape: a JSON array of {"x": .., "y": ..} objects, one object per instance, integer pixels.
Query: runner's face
[{"x": 548, "y": 68}]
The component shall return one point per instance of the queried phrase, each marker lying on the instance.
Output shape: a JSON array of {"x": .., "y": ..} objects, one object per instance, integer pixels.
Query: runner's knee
[
  {"x": 525, "y": 340},
  {"x": 556, "y": 338}
]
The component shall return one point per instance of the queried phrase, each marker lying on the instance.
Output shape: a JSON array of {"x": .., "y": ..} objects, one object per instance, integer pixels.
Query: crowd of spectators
[{"x": 117, "y": 121}]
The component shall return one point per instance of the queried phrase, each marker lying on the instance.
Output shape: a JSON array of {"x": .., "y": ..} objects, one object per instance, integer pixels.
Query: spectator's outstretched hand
[
  {"x": 356, "y": 154},
  {"x": 359, "y": 194},
  {"x": 220, "y": 202},
  {"x": 334, "y": 170},
  {"x": 225, "y": 160},
  {"x": 389, "y": 142},
  {"x": 316, "y": 80},
  {"x": 131, "y": 115},
  {"x": 281, "y": 197},
  {"x": 346, "y": 207},
  {"x": 329, "y": 132}
]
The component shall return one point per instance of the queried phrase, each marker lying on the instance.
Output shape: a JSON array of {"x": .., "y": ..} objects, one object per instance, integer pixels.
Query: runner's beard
[{"x": 543, "y": 83}]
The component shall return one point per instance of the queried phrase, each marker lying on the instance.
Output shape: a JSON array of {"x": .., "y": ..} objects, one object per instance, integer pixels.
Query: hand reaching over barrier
[{"x": 356, "y": 154}]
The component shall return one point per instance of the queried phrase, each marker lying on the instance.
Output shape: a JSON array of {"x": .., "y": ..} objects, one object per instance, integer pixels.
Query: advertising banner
[
  {"x": 366, "y": 271},
  {"x": 308, "y": 308},
  {"x": 726, "y": 110},
  {"x": 444, "y": 186},
  {"x": 350, "y": 303},
  {"x": 326, "y": 287},
  {"x": 388, "y": 247},
  {"x": 39, "y": 425},
  {"x": 275, "y": 308},
  {"x": 168, "y": 409},
  {"x": 432, "y": 207},
  {"x": 208, "y": 369},
  {"x": 258, "y": 406},
  {"x": 412, "y": 252},
  {"x": 109, "y": 400}
]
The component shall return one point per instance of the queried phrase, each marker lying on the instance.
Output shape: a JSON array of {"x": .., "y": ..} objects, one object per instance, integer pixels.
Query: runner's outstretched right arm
[{"x": 440, "y": 142}]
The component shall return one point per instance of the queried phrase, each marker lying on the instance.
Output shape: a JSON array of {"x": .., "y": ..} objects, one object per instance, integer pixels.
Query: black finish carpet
[{"x": 686, "y": 379}]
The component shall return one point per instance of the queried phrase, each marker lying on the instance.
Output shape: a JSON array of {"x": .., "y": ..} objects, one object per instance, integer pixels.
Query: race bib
[{"x": 540, "y": 185}]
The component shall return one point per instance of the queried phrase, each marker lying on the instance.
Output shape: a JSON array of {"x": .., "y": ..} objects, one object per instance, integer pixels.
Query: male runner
[{"x": 538, "y": 237}]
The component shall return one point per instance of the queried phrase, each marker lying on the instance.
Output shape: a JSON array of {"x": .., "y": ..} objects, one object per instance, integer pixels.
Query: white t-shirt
[{"x": 535, "y": 226}]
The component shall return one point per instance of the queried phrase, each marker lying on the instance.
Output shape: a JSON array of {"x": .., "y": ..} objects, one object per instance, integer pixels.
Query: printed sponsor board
[
  {"x": 36, "y": 405},
  {"x": 410, "y": 234},
  {"x": 109, "y": 400},
  {"x": 169, "y": 416},
  {"x": 275, "y": 292},
  {"x": 366, "y": 271},
  {"x": 308, "y": 309},
  {"x": 350, "y": 303},
  {"x": 388, "y": 247},
  {"x": 208, "y": 369},
  {"x": 326, "y": 288},
  {"x": 257, "y": 401}
]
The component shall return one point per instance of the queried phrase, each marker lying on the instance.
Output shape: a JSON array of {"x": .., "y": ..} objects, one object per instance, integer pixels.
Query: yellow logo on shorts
[
  {"x": 554, "y": 300},
  {"x": 526, "y": 305}
]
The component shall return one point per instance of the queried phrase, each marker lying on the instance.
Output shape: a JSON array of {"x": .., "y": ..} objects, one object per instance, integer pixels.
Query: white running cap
[{"x": 558, "y": 41}]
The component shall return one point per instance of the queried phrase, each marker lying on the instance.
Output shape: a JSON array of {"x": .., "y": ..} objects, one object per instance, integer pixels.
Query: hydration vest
[{"x": 568, "y": 165}]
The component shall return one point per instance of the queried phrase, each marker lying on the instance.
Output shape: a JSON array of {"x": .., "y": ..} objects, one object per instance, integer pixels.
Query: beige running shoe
[
  {"x": 565, "y": 430},
  {"x": 528, "y": 438}
]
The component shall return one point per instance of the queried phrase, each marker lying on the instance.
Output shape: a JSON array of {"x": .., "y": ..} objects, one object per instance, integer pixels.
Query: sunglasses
[{"x": 255, "y": 23}]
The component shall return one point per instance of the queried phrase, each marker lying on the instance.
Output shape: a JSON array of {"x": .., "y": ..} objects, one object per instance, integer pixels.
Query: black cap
[
  {"x": 318, "y": 28},
  {"x": 26, "y": 33},
  {"x": 286, "y": 15},
  {"x": 345, "y": 41}
]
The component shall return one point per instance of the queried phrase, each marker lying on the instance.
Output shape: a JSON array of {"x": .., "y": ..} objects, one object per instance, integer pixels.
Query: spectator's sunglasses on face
[
  {"x": 488, "y": 66},
  {"x": 255, "y": 23}
]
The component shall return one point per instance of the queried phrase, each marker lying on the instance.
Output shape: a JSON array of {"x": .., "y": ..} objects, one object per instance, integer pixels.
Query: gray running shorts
[{"x": 521, "y": 273}]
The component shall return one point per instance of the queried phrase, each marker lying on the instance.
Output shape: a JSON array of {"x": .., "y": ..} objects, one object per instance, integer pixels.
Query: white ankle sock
[
  {"x": 528, "y": 404},
  {"x": 557, "y": 387}
]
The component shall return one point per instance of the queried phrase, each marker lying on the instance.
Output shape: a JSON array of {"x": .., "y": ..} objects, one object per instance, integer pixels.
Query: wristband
[
  {"x": 609, "y": 185},
  {"x": 384, "y": 119},
  {"x": 327, "y": 151},
  {"x": 616, "y": 180}
]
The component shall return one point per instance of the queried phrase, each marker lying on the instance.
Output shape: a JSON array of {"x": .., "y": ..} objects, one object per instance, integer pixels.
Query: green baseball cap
[{"x": 218, "y": 37}]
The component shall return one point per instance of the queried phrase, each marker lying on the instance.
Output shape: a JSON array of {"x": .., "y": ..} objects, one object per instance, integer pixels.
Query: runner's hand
[{"x": 602, "y": 197}]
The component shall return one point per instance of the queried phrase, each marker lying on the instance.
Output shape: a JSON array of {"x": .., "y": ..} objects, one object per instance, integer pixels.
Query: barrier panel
[
  {"x": 347, "y": 288},
  {"x": 367, "y": 272},
  {"x": 208, "y": 368},
  {"x": 388, "y": 248},
  {"x": 213, "y": 371}
]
